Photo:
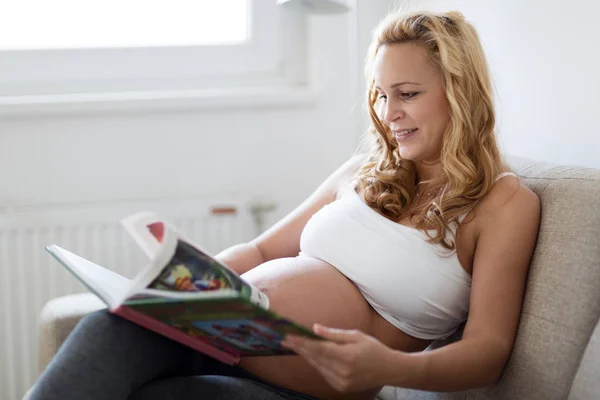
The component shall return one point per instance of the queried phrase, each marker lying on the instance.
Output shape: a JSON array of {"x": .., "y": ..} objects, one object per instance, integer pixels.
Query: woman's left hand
[{"x": 350, "y": 360}]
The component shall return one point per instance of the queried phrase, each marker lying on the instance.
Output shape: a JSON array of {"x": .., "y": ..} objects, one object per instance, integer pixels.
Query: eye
[
  {"x": 381, "y": 96},
  {"x": 408, "y": 95}
]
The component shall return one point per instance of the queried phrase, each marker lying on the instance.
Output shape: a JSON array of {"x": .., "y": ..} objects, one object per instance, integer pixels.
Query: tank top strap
[{"x": 500, "y": 176}]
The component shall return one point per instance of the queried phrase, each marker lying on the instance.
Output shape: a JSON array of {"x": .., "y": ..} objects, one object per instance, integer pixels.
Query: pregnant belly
[{"x": 307, "y": 290}]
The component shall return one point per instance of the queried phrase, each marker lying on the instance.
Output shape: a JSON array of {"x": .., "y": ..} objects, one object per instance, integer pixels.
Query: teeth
[{"x": 406, "y": 132}]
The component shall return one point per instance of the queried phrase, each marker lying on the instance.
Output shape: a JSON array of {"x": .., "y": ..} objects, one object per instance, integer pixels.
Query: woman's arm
[
  {"x": 241, "y": 257},
  {"x": 506, "y": 241}
]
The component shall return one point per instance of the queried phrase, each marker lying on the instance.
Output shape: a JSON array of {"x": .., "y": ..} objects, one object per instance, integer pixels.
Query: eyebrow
[{"x": 395, "y": 85}]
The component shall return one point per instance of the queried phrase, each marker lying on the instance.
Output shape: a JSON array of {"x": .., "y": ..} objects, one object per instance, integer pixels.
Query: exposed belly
[{"x": 308, "y": 290}]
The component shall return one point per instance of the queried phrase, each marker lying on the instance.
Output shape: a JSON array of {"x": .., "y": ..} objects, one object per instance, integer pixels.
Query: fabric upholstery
[
  {"x": 58, "y": 318},
  {"x": 586, "y": 384}
]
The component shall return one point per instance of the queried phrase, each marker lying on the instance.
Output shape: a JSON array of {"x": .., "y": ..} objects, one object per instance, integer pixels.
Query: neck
[{"x": 429, "y": 171}]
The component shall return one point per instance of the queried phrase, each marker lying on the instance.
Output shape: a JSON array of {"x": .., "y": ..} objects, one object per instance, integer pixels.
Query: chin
[
  {"x": 409, "y": 155},
  {"x": 416, "y": 156}
]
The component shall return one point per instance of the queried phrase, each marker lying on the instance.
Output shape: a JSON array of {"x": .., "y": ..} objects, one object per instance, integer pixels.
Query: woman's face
[{"x": 411, "y": 97}]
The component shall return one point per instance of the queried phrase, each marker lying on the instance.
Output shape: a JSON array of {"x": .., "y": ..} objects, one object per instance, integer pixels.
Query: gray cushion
[
  {"x": 587, "y": 383},
  {"x": 58, "y": 318}
]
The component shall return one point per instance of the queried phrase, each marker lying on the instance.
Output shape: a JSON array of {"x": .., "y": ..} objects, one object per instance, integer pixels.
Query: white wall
[
  {"x": 276, "y": 153},
  {"x": 279, "y": 153},
  {"x": 544, "y": 55}
]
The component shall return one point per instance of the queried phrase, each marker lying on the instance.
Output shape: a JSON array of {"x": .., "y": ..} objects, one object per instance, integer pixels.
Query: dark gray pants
[{"x": 107, "y": 357}]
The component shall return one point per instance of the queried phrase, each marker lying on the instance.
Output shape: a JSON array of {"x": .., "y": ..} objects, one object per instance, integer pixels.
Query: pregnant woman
[{"x": 424, "y": 231}]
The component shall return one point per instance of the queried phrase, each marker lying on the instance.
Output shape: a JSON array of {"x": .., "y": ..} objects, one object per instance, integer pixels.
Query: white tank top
[{"x": 409, "y": 282}]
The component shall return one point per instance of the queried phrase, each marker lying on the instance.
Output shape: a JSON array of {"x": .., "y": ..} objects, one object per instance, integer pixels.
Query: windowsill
[{"x": 167, "y": 100}]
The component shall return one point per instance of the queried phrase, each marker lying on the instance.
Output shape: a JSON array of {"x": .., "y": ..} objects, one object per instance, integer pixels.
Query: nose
[{"x": 392, "y": 112}]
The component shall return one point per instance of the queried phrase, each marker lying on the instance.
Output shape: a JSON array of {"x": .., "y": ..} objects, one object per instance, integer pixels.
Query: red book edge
[{"x": 175, "y": 334}]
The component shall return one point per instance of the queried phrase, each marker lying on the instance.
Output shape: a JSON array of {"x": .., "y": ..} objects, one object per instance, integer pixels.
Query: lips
[{"x": 404, "y": 133}]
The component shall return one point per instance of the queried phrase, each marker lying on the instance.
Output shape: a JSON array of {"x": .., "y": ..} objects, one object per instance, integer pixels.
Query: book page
[
  {"x": 150, "y": 293},
  {"x": 177, "y": 265},
  {"x": 193, "y": 270},
  {"x": 106, "y": 284},
  {"x": 157, "y": 239},
  {"x": 190, "y": 270},
  {"x": 148, "y": 231}
]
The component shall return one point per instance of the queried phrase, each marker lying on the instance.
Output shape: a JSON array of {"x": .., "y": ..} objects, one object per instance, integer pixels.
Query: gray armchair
[{"x": 557, "y": 351}]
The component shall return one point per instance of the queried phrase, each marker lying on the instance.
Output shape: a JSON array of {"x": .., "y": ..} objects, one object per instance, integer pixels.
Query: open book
[{"x": 186, "y": 295}]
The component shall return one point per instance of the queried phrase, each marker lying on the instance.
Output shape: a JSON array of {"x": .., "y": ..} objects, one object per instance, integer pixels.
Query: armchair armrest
[{"x": 58, "y": 318}]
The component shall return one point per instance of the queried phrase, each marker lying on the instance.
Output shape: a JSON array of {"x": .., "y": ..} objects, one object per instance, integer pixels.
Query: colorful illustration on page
[
  {"x": 157, "y": 230},
  {"x": 190, "y": 270}
]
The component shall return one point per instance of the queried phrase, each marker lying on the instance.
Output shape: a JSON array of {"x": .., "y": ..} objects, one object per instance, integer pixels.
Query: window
[
  {"x": 69, "y": 47},
  {"x": 118, "y": 23}
]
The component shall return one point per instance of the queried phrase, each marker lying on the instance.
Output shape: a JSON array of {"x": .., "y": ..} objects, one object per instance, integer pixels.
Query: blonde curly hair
[{"x": 470, "y": 157}]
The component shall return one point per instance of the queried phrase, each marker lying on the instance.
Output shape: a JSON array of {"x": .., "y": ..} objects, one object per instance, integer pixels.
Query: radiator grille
[{"x": 29, "y": 277}]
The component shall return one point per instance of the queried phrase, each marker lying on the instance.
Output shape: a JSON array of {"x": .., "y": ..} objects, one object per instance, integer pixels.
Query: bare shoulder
[
  {"x": 510, "y": 205},
  {"x": 351, "y": 166},
  {"x": 348, "y": 170}
]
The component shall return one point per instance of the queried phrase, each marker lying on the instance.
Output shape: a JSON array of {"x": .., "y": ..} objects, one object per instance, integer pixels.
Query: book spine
[{"x": 174, "y": 334}]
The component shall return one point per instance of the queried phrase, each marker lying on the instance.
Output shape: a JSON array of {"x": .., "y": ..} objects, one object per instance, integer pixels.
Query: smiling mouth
[{"x": 404, "y": 133}]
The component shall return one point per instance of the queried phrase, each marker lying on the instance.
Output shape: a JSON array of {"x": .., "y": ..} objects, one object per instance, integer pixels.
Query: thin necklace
[
  {"x": 419, "y": 199},
  {"x": 428, "y": 194}
]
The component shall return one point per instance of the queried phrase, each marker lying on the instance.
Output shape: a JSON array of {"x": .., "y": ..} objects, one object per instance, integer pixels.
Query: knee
[
  {"x": 98, "y": 321},
  {"x": 104, "y": 326},
  {"x": 105, "y": 330}
]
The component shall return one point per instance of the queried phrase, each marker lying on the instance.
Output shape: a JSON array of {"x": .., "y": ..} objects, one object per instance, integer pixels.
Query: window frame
[{"x": 267, "y": 69}]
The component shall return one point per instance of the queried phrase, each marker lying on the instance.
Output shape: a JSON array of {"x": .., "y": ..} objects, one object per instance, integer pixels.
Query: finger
[
  {"x": 326, "y": 354},
  {"x": 329, "y": 355},
  {"x": 307, "y": 348},
  {"x": 317, "y": 348},
  {"x": 332, "y": 369},
  {"x": 292, "y": 341},
  {"x": 298, "y": 345},
  {"x": 312, "y": 357},
  {"x": 328, "y": 368},
  {"x": 332, "y": 374},
  {"x": 338, "y": 335},
  {"x": 297, "y": 341}
]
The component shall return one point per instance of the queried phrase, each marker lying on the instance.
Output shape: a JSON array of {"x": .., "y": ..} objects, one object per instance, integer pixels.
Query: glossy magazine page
[
  {"x": 192, "y": 270},
  {"x": 109, "y": 286},
  {"x": 180, "y": 265}
]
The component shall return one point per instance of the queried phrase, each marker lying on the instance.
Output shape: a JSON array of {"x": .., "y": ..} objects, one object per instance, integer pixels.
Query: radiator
[{"x": 29, "y": 276}]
